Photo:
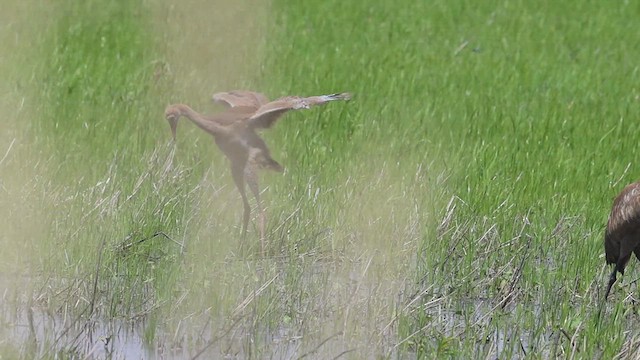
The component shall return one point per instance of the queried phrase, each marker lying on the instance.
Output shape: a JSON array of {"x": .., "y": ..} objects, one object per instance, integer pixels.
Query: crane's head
[{"x": 172, "y": 114}]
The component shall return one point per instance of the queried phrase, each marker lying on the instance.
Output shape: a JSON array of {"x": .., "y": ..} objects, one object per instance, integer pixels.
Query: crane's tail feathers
[
  {"x": 266, "y": 162},
  {"x": 273, "y": 165}
]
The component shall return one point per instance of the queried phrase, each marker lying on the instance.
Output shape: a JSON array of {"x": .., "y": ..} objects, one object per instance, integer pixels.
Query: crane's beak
[{"x": 173, "y": 122}]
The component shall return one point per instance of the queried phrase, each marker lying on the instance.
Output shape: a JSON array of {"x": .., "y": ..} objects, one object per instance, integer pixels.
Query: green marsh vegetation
[{"x": 454, "y": 208}]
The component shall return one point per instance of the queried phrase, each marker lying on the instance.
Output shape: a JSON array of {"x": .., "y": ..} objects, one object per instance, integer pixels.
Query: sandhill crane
[
  {"x": 622, "y": 236},
  {"x": 234, "y": 131}
]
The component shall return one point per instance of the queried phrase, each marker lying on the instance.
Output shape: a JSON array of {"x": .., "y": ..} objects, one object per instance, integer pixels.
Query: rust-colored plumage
[
  {"x": 622, "y": 236},
  {"x": 234, "y": 131}
]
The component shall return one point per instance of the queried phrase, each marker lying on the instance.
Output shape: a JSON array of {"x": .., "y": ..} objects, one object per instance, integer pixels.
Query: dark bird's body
[
  {"x": 234, "y": 131},
  {"x": 622, "y": 236}
]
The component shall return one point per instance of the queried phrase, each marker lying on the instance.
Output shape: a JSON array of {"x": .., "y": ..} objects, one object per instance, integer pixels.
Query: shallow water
[{"x": 37, "y": 333}]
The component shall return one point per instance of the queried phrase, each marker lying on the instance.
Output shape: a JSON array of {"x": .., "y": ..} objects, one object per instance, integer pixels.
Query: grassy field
[{"x": 454, "y": 208}]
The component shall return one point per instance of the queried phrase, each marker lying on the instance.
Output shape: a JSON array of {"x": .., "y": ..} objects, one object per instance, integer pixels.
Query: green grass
[{"x": 454, "y": 208}]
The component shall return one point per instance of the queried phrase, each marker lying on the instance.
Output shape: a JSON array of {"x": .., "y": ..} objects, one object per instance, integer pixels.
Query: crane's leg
[
  {"x": 251, "y": 178},
  {"x": 238, "y": 177}
]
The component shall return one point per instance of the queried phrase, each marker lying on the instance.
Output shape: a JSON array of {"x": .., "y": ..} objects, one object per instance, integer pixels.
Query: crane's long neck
[{"x": 207, "y": 124}]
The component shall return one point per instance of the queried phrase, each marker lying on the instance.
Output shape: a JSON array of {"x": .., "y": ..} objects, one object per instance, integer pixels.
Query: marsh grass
[{"x": 454, "y": 208}]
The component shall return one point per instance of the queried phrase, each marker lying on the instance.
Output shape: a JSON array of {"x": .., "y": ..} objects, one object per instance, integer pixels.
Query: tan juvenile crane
[
  {"x": 622, "y": 236},
  {"x": 234, "y": 131}
]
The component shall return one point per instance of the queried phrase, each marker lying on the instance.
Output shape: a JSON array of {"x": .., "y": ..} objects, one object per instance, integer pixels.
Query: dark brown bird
[
  {"x": 622, "y": 236},
  {"x": 234, "y": 131}
]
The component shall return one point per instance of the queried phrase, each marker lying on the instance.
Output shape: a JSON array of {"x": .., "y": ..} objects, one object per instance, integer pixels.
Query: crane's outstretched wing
[
  {"x": 268, "y": 113},
  {"x": 240, "y": 98}
]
